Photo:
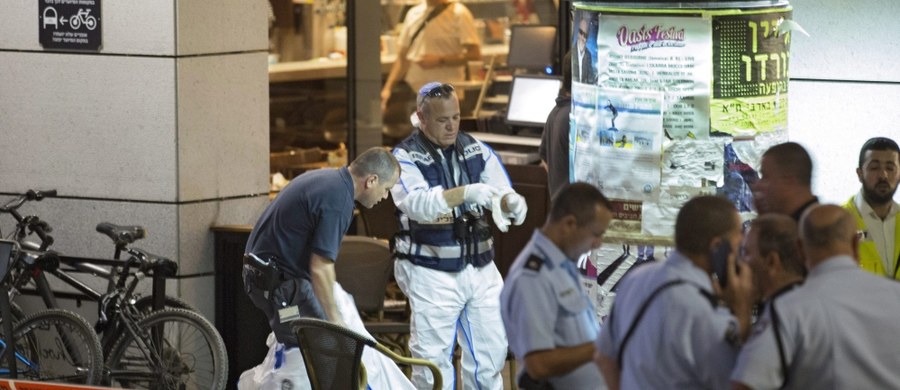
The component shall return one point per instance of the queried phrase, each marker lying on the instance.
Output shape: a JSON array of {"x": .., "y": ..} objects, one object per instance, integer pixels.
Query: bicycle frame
[
  {"x": 117, "y": 276},
  {"x": 13, "y": 371}
]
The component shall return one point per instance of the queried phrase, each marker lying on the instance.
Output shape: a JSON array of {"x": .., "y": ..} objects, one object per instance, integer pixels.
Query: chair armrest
[{"x": 435, "y": 371}]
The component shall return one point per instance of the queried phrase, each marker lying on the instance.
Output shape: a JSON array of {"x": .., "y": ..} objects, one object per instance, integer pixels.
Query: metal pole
[{"x": 363, "y": 76}]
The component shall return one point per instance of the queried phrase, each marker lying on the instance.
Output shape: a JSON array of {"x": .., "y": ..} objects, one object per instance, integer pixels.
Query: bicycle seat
[{"x": 122, "y": 235}]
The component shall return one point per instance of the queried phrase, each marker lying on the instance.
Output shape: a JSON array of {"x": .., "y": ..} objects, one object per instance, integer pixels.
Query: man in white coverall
[{"x": 444, "y": 250}]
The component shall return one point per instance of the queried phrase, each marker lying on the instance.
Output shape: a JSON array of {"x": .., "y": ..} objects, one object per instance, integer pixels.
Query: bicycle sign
[{"x": 69, "y": 24}]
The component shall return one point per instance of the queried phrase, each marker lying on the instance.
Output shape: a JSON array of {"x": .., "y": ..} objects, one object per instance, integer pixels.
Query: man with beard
[{"x": 875, "y": 209}]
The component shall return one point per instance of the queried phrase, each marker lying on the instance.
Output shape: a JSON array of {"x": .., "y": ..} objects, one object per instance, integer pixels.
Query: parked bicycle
[
  {"x": 51, "y": 345},
  {"x": 147, "y": 343}
]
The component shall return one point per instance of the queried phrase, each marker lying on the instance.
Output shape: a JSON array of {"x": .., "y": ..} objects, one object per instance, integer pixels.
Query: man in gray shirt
[{"x": 837, "y": 331}]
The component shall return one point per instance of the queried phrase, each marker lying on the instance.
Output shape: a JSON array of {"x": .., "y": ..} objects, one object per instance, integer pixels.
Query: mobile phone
[{"x": 719, "y": 260}]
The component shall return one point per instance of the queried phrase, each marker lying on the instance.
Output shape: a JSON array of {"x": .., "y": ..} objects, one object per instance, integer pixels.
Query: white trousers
[{"x": 451, "y": 306}]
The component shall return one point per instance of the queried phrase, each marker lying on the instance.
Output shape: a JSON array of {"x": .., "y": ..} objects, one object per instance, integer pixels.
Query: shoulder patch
[{"x": 534, "y": 263}]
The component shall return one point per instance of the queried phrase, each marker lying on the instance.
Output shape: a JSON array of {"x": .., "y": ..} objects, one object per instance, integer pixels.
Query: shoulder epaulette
[{"x": 534, "y": 263}]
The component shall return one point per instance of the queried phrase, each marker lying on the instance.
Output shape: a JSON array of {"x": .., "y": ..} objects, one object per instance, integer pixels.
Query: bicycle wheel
[
  {"x": 56, "y": 346},
  {"x": 145, "y": 304},
  {"x": 176, "y": 348}
]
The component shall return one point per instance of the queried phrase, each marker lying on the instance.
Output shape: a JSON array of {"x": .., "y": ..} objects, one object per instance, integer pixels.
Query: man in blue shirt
[
  {"x": 301, "y": 232},
  {"x": 550, "y": 321}
]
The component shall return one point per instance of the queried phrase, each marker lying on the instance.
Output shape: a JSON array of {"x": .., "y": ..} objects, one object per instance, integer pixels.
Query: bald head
[{"x": 827, "y": 231}]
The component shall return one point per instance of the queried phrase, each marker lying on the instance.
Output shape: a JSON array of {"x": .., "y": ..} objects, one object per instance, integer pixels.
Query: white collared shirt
[{"x": 880, "y": 231}]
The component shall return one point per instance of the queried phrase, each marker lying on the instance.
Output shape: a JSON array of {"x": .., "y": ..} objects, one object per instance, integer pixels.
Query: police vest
[
  {"x": 869, "y": 258},
  {"x": 434, "y": 244}
]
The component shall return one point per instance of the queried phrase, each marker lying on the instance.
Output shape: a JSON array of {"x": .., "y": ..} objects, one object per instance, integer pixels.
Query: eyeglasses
[
  {"x": 438, "y": 91},
  {"x": 582, "y": 33}
]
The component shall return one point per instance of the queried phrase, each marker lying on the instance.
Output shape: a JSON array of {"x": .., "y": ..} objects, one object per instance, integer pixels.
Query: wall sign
[{"x": 69, "y": 24}]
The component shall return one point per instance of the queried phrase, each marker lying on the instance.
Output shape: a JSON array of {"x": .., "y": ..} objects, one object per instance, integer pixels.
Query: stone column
[{"x": 165, "y": 127}]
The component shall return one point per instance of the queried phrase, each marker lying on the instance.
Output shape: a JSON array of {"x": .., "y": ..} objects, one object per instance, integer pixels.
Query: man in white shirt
[
  {"x": 437, "y": 40},
  {"x": 874, "y": 208}
]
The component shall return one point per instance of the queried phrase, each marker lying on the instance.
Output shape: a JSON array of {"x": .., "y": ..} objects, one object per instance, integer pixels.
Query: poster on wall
[
  {"x": 750, "y": 66},
  {"x": 619, "y": 151},
  {"x": 670, "y": 104},
  {"x": 669, "y": 54}
]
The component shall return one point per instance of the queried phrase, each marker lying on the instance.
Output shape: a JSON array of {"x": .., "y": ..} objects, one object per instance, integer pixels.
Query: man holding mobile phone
[{"x": 666, "y": 328}]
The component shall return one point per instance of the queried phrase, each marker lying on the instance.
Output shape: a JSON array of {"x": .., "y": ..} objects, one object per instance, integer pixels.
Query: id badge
[{"x": 288, "y": 314}]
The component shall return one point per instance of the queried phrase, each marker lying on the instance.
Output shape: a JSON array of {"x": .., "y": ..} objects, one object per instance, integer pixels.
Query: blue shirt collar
[
  {"x": 832, "y": 264},
  {"x": 689, "y": 271},
  {"x": 547, "y": 250},
  {"x": 348, "y": 180}
]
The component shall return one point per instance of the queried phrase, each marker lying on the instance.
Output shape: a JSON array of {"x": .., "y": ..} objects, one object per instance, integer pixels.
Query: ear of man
[{"x": 773, "y": 261}]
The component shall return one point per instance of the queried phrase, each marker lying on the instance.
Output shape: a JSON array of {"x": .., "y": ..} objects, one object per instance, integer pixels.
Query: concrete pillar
[
  {"x": 166, "y": 127},
  {"x": 845, "y": 86}
]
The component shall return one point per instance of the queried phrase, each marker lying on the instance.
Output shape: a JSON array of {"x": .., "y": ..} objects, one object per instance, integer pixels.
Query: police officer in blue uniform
[
  {"x": 550, "y": 321},
  {"x": 836, "y": 331},
  {"x": 666, "y": 329}
]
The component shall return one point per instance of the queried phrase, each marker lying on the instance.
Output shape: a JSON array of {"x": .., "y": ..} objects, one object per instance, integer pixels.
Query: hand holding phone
[{"x": 719, "y": 262}]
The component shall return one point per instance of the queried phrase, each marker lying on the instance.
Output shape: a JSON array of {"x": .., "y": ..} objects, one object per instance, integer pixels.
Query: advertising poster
[
  {"x": 619, "y": 151},
  {"x": 672, "y": 103},
  {"x": 669, "y": 54},
  {"x": 750, "y": 69}
]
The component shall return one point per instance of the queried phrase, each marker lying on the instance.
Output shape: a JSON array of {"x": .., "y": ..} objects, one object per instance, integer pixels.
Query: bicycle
[
  {"x": 145, "y": 343},
  {"x": 51, "y": 345},
  {"x": 83, "y": 16}
]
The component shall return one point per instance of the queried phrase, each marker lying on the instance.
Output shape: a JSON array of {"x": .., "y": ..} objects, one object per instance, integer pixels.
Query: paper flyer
[
  {"x": 668, "y": 54},
  {"x": 696, "y": 163},
  {"x": 618, "y": 143},
  {"x": 658, "y": 219}
]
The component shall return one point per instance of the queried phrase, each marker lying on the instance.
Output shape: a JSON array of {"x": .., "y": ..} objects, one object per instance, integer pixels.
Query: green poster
[{"x": 750, "y": 73}]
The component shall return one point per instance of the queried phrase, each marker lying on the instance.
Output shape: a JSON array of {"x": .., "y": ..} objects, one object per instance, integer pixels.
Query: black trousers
[{"x": 292, "y": 292}]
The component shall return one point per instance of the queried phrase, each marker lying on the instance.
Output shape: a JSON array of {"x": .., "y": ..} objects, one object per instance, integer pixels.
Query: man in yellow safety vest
[{"x": 875, "y": 209}]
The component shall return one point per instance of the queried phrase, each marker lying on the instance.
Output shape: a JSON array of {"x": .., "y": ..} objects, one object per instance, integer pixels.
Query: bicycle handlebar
[
  {"x": 33, "y": 223},
  {"x": 30, "y": 195},
  {"x": 38, "y": 195}
]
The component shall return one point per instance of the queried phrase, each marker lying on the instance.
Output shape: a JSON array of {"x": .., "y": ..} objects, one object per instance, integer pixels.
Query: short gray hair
[{"x": 375, "y": 161}]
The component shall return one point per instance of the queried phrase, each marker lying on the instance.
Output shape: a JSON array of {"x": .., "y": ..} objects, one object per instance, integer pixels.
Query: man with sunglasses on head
[{"x": 444, "y": 250}]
